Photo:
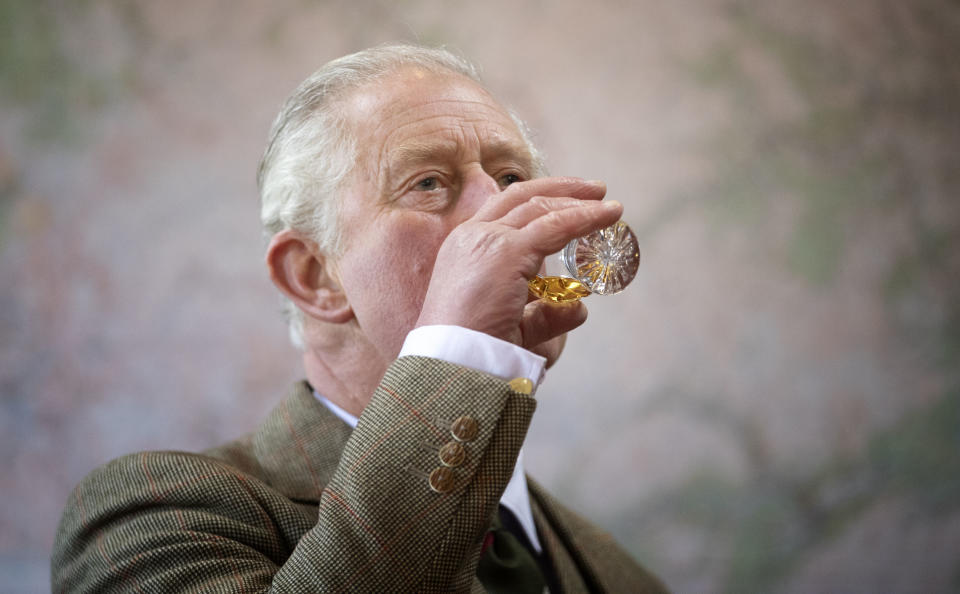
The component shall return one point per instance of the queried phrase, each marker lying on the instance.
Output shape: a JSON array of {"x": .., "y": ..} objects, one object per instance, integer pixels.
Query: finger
[
  {"x": 520, "y": 192},
  {"x": 551, "y": 349},
  {"x": 544, "y": 320},
  {"x": 550, "y": 232},
  {"x": 535, "y": 207}
]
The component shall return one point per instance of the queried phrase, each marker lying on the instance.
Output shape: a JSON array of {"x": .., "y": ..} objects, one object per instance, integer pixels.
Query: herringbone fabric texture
[{"x": 305, "y": 505}]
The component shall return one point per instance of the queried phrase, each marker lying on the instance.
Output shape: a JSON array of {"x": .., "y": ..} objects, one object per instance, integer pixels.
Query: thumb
[{"x": 543, "y": 320}]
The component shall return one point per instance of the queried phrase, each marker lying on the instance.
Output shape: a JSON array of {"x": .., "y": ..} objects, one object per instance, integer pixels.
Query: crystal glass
[{"x": 603, "y": 263}]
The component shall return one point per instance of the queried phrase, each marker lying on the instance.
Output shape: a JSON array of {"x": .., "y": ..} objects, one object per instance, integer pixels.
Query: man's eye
[
  {"x": 428, "y": 183},
  {"x": 508, "y": 179}
]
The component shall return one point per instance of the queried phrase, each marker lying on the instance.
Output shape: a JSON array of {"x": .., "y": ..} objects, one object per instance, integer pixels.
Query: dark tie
[{"x": 508, "y": 563}]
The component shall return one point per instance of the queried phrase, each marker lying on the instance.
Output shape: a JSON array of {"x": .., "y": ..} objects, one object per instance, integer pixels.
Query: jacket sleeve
[{"x": 167, "y": 522}]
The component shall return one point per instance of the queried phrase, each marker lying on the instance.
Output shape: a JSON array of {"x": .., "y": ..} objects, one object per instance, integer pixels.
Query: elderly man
[{"x": 405, "y": 213}]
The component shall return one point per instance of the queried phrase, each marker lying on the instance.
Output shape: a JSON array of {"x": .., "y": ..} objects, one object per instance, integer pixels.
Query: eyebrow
[{"x": 419, "y": 152}]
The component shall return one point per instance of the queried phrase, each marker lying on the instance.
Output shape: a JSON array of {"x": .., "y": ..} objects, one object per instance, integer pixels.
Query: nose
[{"x": 477, "y": 188}]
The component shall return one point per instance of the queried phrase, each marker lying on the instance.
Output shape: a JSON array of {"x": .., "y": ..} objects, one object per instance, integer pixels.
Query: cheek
[
  {"x": 392, "y": 266},
  {"x": 413, "y": 242},
  {"x": 413, "y": 251}
]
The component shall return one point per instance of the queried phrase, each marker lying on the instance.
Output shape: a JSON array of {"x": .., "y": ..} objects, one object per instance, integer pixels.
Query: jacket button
[
  {"x": 465, "y": 428},
  {"x": 521, "y": 384},
  {"x": 441, "y": 479},
  {"x": 452, "y": 454}
]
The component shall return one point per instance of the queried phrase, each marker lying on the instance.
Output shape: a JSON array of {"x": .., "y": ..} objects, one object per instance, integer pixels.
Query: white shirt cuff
[{"x": 475, "y": 350}]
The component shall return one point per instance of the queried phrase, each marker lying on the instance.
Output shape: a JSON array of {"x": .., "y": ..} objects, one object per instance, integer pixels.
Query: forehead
[{"x": 414, "y": 110}]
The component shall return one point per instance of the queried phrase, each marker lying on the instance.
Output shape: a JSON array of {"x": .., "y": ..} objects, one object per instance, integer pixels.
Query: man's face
[{"x": 431, "y": 149}]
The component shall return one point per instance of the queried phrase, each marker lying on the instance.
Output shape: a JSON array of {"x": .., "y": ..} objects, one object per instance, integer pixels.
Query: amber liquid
[{"x": 557, "y": 288}]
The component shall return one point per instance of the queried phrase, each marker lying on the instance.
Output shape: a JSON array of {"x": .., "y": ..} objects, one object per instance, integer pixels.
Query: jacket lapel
[
  {"x": 565, "y": 565},
  {"x": 587, "y": 558},
  {"x": 298, "y": 446}
]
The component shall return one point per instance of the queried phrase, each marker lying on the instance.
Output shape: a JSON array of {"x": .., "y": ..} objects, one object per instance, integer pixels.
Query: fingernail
[
  {"x": 596, "y": 182},
  {"x": 612, "y": 204}
]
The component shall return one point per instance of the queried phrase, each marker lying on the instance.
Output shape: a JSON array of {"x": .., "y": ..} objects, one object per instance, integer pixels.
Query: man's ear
[{"x": 304, "y": 275}]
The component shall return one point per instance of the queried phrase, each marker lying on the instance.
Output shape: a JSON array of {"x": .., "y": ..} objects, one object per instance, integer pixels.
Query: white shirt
[{"x": 485, "y": 353}]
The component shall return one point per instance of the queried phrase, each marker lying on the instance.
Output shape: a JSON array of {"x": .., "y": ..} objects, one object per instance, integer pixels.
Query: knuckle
[
  {"x": 541, "y": 202},
  {"x": 488, "y": 243},
  {"x": 570, "y": 181},
  {"x": 549, "y": 204},
  {"x": 554, "y": 217}
]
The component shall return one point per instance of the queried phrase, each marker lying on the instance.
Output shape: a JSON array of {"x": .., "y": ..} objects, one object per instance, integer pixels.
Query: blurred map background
[{"x": 774, "y": 406}]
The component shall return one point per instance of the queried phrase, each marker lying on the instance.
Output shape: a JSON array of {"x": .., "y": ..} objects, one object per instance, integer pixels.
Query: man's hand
[{"x": 480, "y": 276}]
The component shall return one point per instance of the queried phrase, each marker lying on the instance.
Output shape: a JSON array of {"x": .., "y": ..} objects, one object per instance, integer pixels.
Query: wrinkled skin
[{"x": 443, "y": 224}]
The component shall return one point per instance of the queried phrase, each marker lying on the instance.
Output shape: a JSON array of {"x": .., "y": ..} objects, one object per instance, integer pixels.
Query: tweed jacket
[{"x": 305, "y": 504}]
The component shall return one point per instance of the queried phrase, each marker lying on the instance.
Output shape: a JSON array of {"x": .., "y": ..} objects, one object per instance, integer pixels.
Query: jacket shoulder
[{"x": 165, "y": 507}]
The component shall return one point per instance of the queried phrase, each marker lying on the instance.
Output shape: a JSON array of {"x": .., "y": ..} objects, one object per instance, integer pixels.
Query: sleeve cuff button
[{"x": 522, "y": 385}]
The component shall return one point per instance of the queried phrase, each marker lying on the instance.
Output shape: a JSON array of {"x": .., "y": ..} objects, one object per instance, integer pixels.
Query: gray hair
[{"x": 311, "y": 149}]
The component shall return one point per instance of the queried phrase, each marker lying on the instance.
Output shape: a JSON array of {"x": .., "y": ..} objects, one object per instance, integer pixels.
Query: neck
[{"x": 346, "y": 372}]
